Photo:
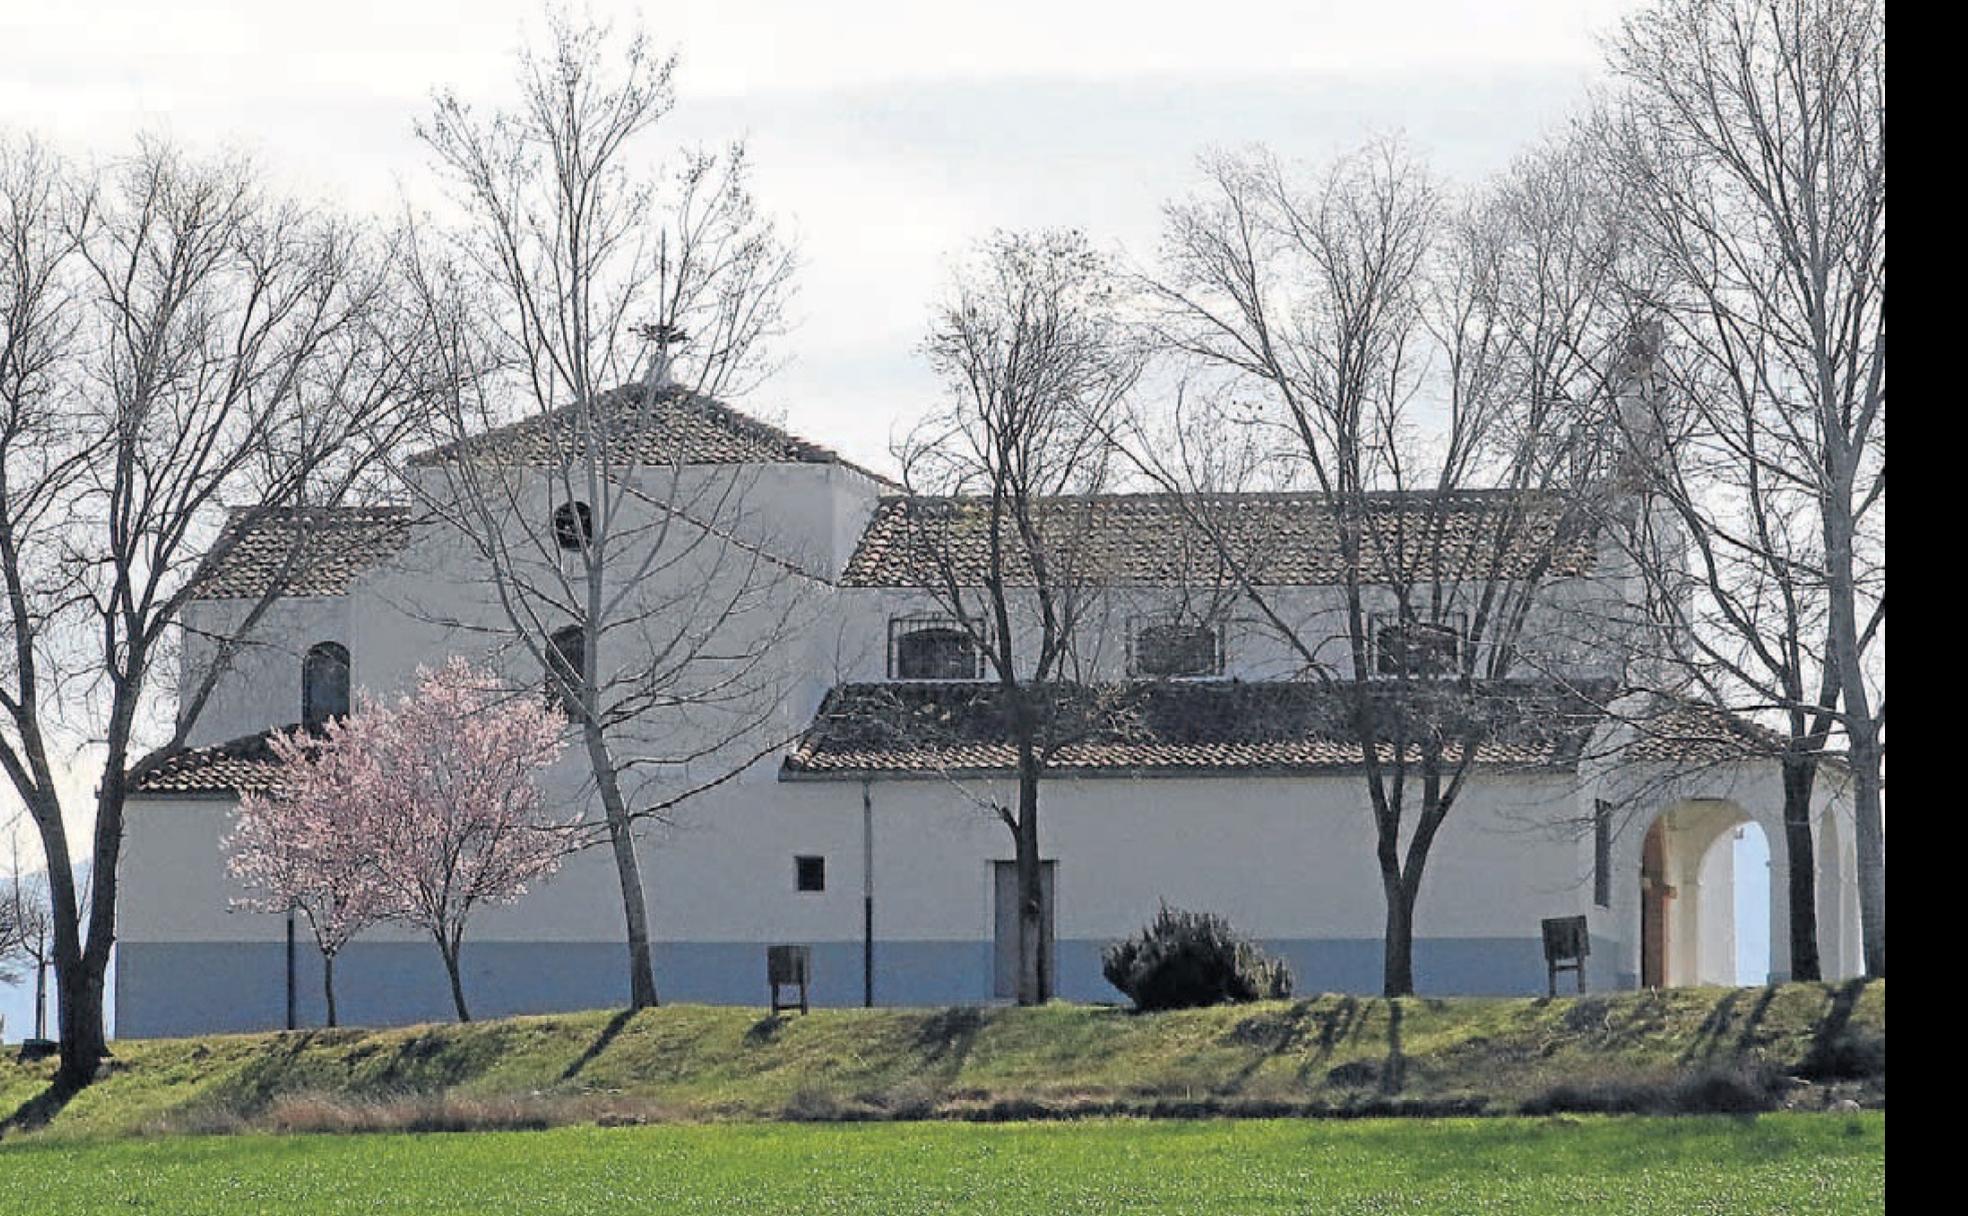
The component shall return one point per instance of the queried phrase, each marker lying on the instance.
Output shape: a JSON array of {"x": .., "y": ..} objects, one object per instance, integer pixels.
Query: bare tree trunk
[
  {"x": 85, "y": 1043},
  {"x": 1799, "y": 777},
  {"x": 78, "y": 1020},
  {"x": 1847, "y": 658},
  {"x": 1397, "y": 941},
  {"x": 328, "y": 986},
  {"x": 1871, "y": 842},
  {"x": 1401, "y": 874},
  {"x": 628, "y": 871},
  {"x": 1034, "y": 984},
  {"x": 1397, "y": 948},
  {"x": 79, "y": 992},
  {"x": 450, "y": 950}
]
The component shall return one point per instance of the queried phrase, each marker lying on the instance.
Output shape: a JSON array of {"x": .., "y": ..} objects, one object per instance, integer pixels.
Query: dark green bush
[{"x": 1181, "y": 960}]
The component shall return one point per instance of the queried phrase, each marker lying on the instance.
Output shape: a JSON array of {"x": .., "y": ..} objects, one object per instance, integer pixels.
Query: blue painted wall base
[{"x": 187, "y": 988}]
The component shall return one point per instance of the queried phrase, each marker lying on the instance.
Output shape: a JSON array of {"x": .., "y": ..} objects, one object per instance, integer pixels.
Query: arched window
[
  {"x": 931, "y": 649},
  {"x": 324, "y": 683},
  {"x": 1176, "y": 648},
  {"x": 573, "y": 525},
  {"x": 566, "y": 655}
]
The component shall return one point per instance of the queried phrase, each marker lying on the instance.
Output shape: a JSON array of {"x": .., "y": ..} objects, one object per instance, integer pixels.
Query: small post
[
  {"x": 867, "y": 895},
  {"x": 291, "y": 1020},
  {"x": 41, "y": 995}
]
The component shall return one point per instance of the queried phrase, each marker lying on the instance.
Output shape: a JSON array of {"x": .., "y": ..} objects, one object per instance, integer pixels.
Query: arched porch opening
[{"x": 1691, "y": 869}]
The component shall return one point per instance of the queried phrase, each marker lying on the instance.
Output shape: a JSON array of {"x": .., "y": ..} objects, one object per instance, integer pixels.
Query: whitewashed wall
[{"x": 1289, "y": 861}]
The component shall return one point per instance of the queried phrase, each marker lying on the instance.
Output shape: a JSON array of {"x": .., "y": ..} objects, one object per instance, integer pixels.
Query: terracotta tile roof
[
  {"x": 1688, "y": 733},
  {"x": 315, "y": 551},
  {"x": 676, "y": 427},
  {"x": 1285, "y": 539},
  {"x": 237, "y": 766},
  {"x": 1201, "y": 727}
]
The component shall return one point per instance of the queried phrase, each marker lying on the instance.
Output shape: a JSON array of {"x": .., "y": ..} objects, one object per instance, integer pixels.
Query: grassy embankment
[{"x": 1689, "y": 1049}]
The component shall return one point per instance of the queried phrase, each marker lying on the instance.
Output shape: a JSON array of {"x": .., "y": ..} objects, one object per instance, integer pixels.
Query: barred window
[
  {"x": 1175, "y": 648},
  {"x": 1418, "y": 648},
  {"x": 932, "y": 648}
]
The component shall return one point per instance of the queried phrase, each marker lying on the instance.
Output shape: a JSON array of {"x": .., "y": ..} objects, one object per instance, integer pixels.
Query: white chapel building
[{"x": 1231, "y": 788}]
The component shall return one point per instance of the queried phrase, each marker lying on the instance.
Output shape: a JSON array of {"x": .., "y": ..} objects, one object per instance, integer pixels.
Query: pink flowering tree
[
  {"x": 299, "y": 847},
  {"x": 450, "y": 801},
  {"x": 421, "y": 812}
]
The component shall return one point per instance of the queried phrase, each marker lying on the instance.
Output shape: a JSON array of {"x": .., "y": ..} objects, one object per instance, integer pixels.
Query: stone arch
[{"x": 1689, "y": 928}]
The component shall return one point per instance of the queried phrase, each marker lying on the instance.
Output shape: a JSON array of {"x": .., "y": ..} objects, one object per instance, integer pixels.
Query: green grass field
[
  {"x": 1644, "y": 1051},
  {"x": 1609, "y": 1166}
]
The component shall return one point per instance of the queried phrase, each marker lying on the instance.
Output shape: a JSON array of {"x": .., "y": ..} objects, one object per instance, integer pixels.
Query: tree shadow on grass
[
  {"x": 946, "y": 1037},
  {"x": 1702, "y": 1044},
  {"x": 1722, "y": 1021},
  {"x": 600, "y": 1044},
  {"x": 1394, "y": 1073},
  {"x": 40, "y": 1110},
  {"x": 1291, "y": 1031},
  {"x": 1389, "y": 1073},
  {"x": 1338, "y": 1023},
  {"x": 1837, "y": 1049},
  {"x": 765, "y": 1030}
]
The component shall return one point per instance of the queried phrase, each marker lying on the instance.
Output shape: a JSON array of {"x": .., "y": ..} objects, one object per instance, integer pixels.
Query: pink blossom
[{"x": 420, "y": 812}]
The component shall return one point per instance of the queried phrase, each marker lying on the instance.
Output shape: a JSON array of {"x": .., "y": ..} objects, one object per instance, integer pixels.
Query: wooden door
[
  {"x": 1004, "y": 955},
  {"x": 1654, "y": 894}
]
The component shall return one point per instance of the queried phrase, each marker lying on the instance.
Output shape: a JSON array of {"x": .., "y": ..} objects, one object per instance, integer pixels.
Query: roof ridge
[
  {"x": 1152, "y": 537},
  {"x": 349, "y": 508},
  {"x": 1472, "y": 493},
  {"x": 734, "y": 421}
]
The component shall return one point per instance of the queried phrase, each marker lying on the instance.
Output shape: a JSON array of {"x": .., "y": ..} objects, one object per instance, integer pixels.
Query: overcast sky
[{"x": 885, "y": 135}]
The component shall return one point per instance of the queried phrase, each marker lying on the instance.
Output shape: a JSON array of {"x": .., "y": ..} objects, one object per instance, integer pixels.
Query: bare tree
[
  {"x": 1750, "y": 139},
  {"x": 1727, "y": 594},
  {"x": 1381, "y": 355},
  {"x": 1036, "y": 364},
  {"x": 613, "y": 527},
  {"x": 175, "y": 339},
  {"x": 14, "y": 931},
  {"x": 27, "y": 926}
]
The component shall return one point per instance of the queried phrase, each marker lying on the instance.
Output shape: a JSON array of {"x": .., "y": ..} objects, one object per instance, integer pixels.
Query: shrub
[
  {"x": 1181, "y": 960},
  {"x": 1709, "y": 1091},
  {"x": 1853, "y": 1054}
]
